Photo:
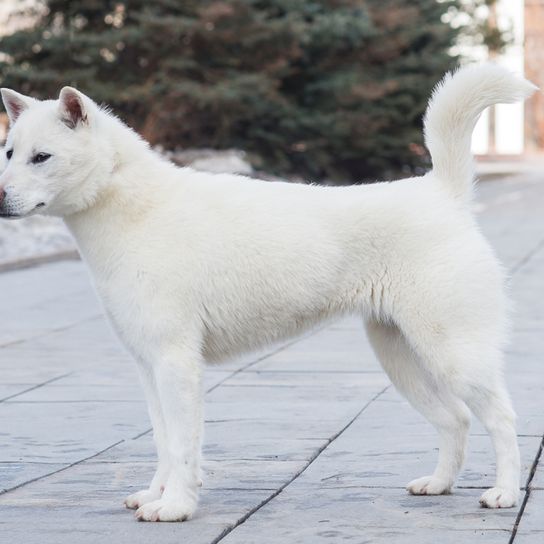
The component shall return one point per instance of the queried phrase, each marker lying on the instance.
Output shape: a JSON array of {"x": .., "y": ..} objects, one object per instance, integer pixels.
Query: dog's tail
[{"x": 455, "y": 106}]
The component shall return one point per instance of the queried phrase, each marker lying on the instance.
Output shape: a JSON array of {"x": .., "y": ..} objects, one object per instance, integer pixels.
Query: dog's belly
[
  {"x": 225, "y": 341},
  {"x": 235, "y": 326}
]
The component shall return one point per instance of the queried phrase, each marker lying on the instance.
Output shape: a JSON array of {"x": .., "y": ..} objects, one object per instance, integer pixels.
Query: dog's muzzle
[{"x": 5, "y": 212}]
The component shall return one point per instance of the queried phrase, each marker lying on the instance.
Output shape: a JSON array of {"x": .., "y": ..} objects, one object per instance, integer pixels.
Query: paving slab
[
  {"x": 537, "y": 482},
  {"x": 531, "y": 526},
  {"x": 306, "y": 513},
  {"x": 390, "y": 444}
]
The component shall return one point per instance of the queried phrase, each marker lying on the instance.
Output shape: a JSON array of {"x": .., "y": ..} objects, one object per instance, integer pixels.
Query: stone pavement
[{"x": 306, "y": 442}]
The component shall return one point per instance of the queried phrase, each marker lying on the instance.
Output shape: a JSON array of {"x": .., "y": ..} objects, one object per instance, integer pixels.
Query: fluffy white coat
[{"x": 194, "y": 267}]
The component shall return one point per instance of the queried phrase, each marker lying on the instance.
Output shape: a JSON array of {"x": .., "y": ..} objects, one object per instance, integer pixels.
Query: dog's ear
[
  {"x": 73, "y": 107},
  {"x": 15, "y": 103}
]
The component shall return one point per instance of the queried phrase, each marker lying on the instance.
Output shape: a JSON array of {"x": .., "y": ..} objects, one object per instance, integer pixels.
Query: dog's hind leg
[
  {"x": 467, "y": 361},
  {"x": 447, "y": 413},
  {"x": 491, "y": 404}
]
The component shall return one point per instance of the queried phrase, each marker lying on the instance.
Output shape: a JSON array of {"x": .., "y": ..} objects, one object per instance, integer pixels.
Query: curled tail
[{"x": 455, "y": 106}]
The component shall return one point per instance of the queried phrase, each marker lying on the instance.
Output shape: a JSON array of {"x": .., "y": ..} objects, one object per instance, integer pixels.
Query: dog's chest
[{"x": 134, "y": 305}]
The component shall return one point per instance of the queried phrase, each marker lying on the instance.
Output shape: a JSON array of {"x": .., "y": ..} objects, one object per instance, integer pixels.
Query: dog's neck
[{"x": 125, "y": 199}]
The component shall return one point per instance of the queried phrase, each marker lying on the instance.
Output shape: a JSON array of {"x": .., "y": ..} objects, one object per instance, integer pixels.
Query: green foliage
[
  {"x": 326, "y": 89},
  {"x": 477, "y": 24}
]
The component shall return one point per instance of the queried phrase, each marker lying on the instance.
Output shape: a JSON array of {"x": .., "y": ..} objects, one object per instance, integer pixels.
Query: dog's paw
[
  {"x": 428, "y": 485},
  {"x": 165, "y": 510},
  {"x": 499, "y": 497},
  {"x": 142, "y": 497}
]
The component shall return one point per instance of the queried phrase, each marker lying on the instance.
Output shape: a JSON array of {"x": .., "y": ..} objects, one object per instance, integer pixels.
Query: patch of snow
[
  {"x": 228, "y": 161},
  {"x": 34, "y": 236}
]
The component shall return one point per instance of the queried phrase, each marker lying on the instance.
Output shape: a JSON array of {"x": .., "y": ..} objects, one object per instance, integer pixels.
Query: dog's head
[{"x": 57, "y": 157}]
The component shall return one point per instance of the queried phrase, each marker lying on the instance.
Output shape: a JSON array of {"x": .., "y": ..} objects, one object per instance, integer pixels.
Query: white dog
[{"x": 194, "y": 267}]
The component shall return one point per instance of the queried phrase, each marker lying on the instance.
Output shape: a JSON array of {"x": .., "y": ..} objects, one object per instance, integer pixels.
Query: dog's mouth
[
  {"x": 14, "y": 215},
  {"x": 8, "y": 215}
]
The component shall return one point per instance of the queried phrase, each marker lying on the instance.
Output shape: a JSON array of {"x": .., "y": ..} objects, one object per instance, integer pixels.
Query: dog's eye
[
  {"x": 9, "y": 153},
  {"x": 39, "y": 157}
]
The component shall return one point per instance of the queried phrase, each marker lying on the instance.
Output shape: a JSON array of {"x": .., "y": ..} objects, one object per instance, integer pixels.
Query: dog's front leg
[
  {"x": 156, "y": 487},
  {"x": 178, "y": 380}
]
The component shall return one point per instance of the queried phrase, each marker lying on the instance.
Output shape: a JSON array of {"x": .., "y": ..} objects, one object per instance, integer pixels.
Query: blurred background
[{"x": 329, "y": 91}]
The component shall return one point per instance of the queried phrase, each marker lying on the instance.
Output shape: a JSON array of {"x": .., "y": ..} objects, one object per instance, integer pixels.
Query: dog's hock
[{"x": 72, "y": 107}]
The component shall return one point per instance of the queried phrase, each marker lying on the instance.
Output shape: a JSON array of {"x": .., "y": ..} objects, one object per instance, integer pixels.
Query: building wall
[
  {"x": 534, "y": 70},
  {"x": 500, "y": 131}
]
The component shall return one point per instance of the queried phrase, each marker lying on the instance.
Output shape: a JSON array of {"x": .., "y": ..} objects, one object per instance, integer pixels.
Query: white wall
[{"x": 508, "y": 117}]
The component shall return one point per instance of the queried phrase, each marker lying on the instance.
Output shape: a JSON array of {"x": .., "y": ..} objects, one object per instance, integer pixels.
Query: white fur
[{"x": 195, "y": 267}]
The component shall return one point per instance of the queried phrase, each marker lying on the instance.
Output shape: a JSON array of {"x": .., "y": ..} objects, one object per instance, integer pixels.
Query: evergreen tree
[{"x": 325, "y": 89}]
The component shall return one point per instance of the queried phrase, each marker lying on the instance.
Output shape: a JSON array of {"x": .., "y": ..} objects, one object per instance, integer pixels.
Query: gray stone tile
[
  {"x": 38, "y": 285},
  {"x": 10, "y": 389},
  {"x": 226, "y": 442},
  {"x": 508, "y": 212},
  {"x": 389, "y": 445},
  {"x": 58, "y": 392},
  {"x": 65, "y": 432},
  {"x": 85, "y": 504},
  {"x": 531, "y": 527},
  {"x": 297, "y": 405},
  {"x": 392, "y": 435},
  {"x": 308, "y": 380},
  {"x": 15, "y": 473},
  {"x": 55, "y": 354},
  {"x": 305, "y": 513},
  {"x": 538, "y": 478},
  {"x": 226, "y": 473},
  {"x": 56, "y": 314}
]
